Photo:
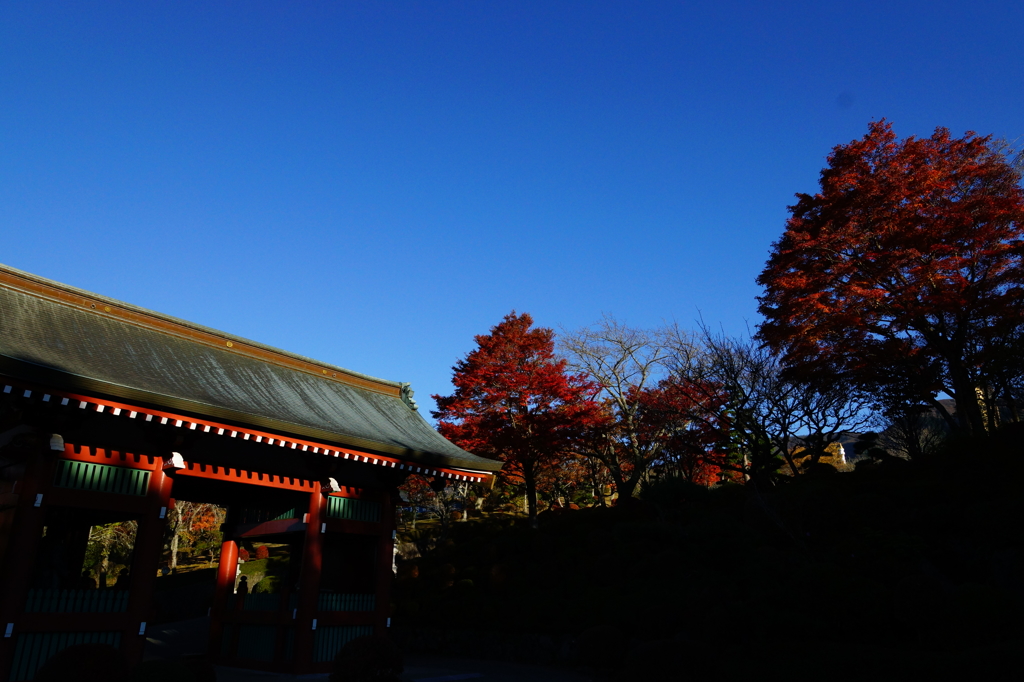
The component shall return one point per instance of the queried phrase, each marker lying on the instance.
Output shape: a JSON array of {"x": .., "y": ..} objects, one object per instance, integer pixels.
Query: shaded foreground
[{"x": 895, "y": 571}]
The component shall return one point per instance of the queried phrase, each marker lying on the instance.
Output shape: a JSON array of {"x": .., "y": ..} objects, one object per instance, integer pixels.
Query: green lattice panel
[
  {"x": 101, "y": 478},
  {"x": 76, "y": 601},
  {"x": 261, "y": 602},
  {"x": 260, "y": 515},
  {"x": 225, "y": 642},
  {"x": 352, "y": 509},
  {"x": 289, "y": 644},
  {"x": 330, "y": 601},
  {"x": 256, "y": 642},
  {"x": 328, "y": 641},
  {"x": 33, "y": 649}
]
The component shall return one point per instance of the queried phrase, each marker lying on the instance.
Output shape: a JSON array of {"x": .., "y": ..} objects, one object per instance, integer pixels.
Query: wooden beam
[
  {"x": 126, "y": 411},
  {"x": 233, "y": 475}
]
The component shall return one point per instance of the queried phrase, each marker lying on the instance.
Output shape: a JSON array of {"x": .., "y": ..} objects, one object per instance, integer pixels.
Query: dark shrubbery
[
  {"x": 904, "y": 561},
  {"x": 373, "y": 658}
]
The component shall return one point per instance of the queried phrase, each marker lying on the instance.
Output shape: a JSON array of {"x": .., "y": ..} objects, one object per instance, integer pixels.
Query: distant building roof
[{"x": 60, "y": 335}]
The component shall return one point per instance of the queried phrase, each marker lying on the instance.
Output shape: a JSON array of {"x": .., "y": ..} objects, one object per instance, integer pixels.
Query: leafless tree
[
  {"x": 828, "y": 409},
  {"x": 761, "y": 408},
  {"x": 182, "y": 521},
  {"x": 766, "y": 410},
  {"x": 913, "y": 433},
  {"x": 442, "y": 503},
  {"x": 624, "y": 361}
]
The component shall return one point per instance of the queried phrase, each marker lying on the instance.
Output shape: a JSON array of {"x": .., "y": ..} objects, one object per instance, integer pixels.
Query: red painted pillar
[
  {"x": 149, "y": 540},
  {"x": 26, "y": 533},
  {"x": 309, "y": 583},
  {"x": 385, "y": 560},
  {"x": 226, "y": 569}
]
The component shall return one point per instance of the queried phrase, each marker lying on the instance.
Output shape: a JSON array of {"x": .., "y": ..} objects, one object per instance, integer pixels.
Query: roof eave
[{"x": 28, "y": 371}]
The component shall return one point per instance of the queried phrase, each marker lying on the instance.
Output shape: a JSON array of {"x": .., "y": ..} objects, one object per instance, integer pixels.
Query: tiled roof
[{"x": 53, "y": 333}]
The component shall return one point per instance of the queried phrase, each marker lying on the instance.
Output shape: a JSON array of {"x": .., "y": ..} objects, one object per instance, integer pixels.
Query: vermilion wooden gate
[{"x": 109, "y": 411}]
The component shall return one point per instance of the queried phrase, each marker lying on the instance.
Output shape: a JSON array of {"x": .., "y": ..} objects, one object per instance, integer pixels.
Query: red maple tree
[
  {"x": 688, "y": 415},
  {"x": 515, "y": 401},
  {"x": 672, "y": 427},
  {"x": 567, "y": 480},
  {"x": 911, "y": 255}
]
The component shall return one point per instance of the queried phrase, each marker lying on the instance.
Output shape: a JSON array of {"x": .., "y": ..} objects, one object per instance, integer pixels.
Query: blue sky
[{"x": 373, "y": 183}]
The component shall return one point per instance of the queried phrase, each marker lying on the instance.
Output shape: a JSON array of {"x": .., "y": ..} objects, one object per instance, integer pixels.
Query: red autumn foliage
[
  {"x": 642, "y": 415},
  {"x": 417, "y": 490},
  {"x": 243, "y": 554},
  {"x": 689, "y": 417},
  {"x": 262, "y": 552},
  {"x": 566, "y": 478},
  {"x": 515, "y": 401},
  {"x": 206, "y": 520},
  {"x": 909, "y": 259},
  {"x": 672, "y": 427}
]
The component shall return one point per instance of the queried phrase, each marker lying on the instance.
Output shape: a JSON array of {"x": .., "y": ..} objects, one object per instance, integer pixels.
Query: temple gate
[{"x": 109, "y": 413}]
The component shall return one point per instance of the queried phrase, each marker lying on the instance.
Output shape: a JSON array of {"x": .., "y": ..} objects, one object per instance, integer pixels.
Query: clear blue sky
[{"x": 373, "y": 183}]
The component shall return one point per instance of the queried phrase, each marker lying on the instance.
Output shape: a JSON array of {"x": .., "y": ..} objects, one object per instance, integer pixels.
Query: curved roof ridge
[{"x": 99, "y": 298}]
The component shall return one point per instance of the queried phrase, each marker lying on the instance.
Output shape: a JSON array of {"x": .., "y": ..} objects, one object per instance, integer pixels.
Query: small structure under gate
[{"x": 110, "y": 412}]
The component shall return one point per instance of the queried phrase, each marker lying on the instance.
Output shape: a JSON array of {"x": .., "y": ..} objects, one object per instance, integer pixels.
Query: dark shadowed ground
[{"x": 188, "y": 637}]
